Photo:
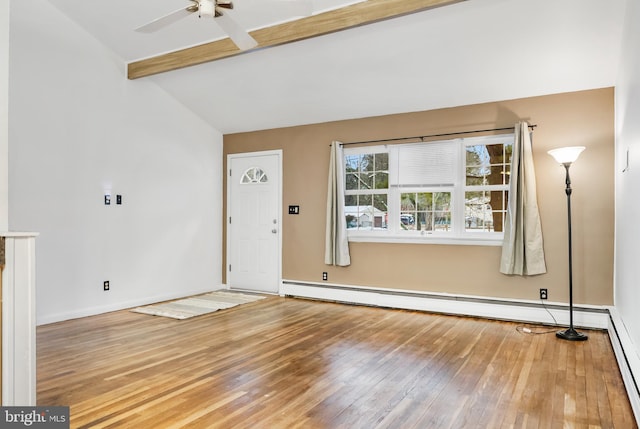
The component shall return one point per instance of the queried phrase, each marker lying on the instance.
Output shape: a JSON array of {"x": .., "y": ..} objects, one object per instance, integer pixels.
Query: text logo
[{"x": 34, "y": 417}]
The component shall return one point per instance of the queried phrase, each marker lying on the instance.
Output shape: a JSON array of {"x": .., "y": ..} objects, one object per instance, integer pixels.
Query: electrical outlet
[
  {"x": 325, "y": 276},
  {"x": 543, "y": 294},
  {"x": 106, "y": 285}
]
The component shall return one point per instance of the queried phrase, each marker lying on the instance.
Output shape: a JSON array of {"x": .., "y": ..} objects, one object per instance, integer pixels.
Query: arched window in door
[{"x": 254, "y": 175}]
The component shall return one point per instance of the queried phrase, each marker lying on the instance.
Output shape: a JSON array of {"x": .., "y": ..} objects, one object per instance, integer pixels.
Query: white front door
[{"x": 253, "y": 221}]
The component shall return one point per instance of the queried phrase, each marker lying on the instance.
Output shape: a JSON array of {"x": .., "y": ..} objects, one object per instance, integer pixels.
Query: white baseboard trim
[
  {"x": 491, "y": 308},
  {"x": 628, "y": 359},
  {"x": 92, "y": 311}
]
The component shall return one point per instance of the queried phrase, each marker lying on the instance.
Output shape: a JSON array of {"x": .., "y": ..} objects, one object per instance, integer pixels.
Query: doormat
[{"x": 197, "y": 305}]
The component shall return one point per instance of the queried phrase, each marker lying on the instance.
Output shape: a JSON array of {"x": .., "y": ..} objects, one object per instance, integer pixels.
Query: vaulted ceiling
[{"x": 462, "y": 53}]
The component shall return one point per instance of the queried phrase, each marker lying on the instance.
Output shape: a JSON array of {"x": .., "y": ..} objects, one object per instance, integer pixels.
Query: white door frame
[{"x": 231, "y": 156}]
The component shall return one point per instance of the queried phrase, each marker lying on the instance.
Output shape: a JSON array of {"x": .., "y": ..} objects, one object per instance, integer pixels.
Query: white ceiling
[{"x": 470, "y": 52}]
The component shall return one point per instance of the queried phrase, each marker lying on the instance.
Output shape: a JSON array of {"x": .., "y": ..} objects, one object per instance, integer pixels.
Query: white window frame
[{"x": 457, "y": 235}]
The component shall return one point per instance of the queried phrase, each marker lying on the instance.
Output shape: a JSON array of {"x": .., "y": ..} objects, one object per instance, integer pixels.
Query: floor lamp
[{"x": 566, "y": 156}]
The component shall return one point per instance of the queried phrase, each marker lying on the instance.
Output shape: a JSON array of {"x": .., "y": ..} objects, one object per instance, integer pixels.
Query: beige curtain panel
[
  {"x": 336, "y": 244},
  {"x": 522, "y": 249}
]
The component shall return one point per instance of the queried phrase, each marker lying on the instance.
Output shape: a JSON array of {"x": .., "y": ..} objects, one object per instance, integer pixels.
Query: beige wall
[{"x": 581, "y": 118}]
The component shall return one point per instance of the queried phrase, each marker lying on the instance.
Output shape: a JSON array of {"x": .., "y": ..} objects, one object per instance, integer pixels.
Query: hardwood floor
[{"x": 289, "y": 363}]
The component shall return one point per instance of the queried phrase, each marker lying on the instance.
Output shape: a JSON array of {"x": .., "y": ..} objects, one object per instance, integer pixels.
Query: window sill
[{"x": 465, "y": 241}]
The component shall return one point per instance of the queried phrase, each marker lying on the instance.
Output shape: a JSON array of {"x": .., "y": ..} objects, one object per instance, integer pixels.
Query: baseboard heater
[
  {"x": 594, "y": 317},
  {"x": 628, "y": 360}
]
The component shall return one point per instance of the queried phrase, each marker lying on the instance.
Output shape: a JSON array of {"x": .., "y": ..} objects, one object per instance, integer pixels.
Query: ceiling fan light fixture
[
  {"x": 213, "y": 8},
  {"x": 206, "y": 7}
]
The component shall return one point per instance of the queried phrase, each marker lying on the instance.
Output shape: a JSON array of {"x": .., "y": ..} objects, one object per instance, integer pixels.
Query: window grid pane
[
  {"x": 485, "y": 211},
  {"x": 367, "y": 171},
  {"x": 488, "y": 164},
  {"x": 366, "y": 212},
  {"x": 425, "y": 211}
]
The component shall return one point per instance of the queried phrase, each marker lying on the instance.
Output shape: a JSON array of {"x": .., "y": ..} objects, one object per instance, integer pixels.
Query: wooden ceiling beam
[{"x": 351, "y": 16}]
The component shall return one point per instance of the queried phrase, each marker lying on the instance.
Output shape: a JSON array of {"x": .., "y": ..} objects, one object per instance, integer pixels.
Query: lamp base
[{"x": 571, "y": 335}]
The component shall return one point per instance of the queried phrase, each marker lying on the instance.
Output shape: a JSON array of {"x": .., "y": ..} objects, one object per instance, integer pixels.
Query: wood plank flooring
[{"x": 290, "y": 363}]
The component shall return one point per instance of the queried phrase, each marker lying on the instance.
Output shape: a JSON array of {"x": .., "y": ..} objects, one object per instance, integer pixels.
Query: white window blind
[{"x": 432, "y": 164}]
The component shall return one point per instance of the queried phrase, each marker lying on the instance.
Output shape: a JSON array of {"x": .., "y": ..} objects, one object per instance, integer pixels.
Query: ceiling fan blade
[
  {"x": 226, "y": 4},
  {"x": 166, "y": 20},
  {"x": 239, "y": 35}
]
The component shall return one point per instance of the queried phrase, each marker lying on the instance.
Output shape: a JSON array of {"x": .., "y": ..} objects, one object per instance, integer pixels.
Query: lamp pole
[
  {"x": 566, "y": 156},
  {"x": 570, "y": 334}
]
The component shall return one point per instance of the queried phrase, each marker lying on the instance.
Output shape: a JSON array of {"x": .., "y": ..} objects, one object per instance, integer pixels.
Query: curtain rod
[{"x": 434, "y": 135}]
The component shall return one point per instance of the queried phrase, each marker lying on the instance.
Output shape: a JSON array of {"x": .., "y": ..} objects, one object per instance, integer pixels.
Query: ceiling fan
[{"x": 217, "y": 9}]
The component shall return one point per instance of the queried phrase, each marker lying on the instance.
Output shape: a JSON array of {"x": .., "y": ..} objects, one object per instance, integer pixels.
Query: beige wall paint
[{"x": 580, "y": 118}]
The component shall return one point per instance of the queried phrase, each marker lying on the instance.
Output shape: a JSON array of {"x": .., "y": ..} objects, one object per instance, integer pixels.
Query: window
[
  {"x": 366, "y": 193},
  {"x": 451, "y": 191},
  {"x": 486, "y": 185},
  {"x": 254, "y": 175}
]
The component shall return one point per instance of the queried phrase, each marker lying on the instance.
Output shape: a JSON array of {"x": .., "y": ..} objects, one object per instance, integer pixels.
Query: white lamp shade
[{"x": 566, "y": 155}]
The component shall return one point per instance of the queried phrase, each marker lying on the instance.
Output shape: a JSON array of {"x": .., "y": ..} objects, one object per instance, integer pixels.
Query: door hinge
[
  {"x": 229, "y": 219},
  {"x": 229, "y": 172},
  {"x": 229, "y": 267}
]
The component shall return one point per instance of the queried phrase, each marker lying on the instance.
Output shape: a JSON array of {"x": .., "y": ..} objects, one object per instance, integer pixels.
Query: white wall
[
  {"x": 78, "y": 127},
  {"x": 627, "y": 269},
  {"x": 4, "y": 122}
]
